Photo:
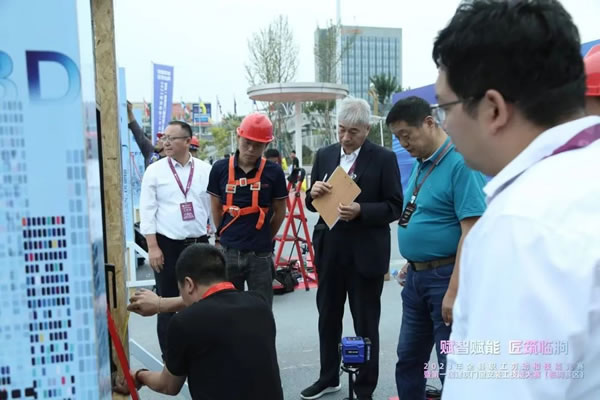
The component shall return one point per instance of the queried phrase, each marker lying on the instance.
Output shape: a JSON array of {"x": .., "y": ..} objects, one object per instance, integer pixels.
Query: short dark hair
[
  {"x": 271, "y": 153},
  {"x": 529, "y": 51},
  {"x": 293, "y": 152},
  {"x": 183, "y": 125},
  {"x": 413, "y": 110},
  {"x": 203, "y": 263}
]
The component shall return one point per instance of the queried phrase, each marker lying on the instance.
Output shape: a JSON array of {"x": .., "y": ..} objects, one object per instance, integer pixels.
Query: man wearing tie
[{"x": 353, "y": 257}]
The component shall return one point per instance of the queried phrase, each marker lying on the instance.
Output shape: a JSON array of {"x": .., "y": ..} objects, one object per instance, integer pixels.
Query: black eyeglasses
[
  {"x": 166, "y": 138},
  {"x": 438, "y": 111}
]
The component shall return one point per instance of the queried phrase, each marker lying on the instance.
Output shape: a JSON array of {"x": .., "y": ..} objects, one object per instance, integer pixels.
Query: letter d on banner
[
  {"x": 8, "y": 89},
  {"x": 33, "y": 75}
]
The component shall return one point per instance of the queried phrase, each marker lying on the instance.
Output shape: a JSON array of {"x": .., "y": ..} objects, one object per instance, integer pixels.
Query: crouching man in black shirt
[{"x": 223, "y": 341}]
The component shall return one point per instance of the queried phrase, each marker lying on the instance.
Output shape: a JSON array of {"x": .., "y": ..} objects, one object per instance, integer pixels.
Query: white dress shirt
[
  {"x": 346, "y": 160},
  {"x": 530, "y": 271},
  {"x": 160, "y": 199}
]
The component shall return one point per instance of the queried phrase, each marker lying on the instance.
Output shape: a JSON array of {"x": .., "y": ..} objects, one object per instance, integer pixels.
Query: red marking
[
  {"x": 24, "y": 221},
  {"x": 121, "y": 356},
  {"x": 63, "y": 380}
]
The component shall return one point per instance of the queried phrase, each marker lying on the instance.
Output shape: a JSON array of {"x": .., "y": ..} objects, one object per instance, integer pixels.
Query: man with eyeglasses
[
  {"x": 174, "y": 208},
  {"x": 443, "y": 200},
  {"x": 513, "y": 78}
]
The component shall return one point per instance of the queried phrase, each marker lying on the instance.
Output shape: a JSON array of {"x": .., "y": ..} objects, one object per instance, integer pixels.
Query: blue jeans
[
  {"x": 422, "y": 327},
  {"x": 255, "y": 268}
]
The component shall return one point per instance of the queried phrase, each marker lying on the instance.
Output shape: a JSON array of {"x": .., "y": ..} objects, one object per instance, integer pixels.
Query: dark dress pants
[
  {"x": 338, "y": 277},
  {"x": 166, "y": 283}
]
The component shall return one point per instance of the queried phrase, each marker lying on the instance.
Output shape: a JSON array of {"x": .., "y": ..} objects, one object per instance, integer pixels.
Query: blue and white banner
[
  {"x": 162, "y": 99},
  {"x": 126, "y": 165},
  {"x": 196, "y": 114},
  {"x": 136, "y": 159}
]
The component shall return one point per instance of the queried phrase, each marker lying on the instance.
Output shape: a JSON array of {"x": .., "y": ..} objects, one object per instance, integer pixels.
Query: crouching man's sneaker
[{"x": 319, "y": 389}]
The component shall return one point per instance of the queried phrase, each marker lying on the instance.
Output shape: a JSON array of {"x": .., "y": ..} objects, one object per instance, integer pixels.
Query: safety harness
[{"x": 230, "y": 189}]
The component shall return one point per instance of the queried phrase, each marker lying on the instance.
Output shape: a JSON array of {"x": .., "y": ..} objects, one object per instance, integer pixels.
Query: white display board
[{"x": 53, "y": 335}]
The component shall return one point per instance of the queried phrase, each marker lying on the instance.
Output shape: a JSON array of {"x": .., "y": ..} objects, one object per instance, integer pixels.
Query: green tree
[
  {"x": 375, "y": 135},
  {"x": 273, "y": 54},
  {"x": 224, "y": 133},
  {"x": 221, "y": 140},
  {"x": 384, "y": 86}
]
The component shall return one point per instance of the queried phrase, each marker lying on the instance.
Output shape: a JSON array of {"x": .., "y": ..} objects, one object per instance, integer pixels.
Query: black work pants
[{"x": 338, "y": 277}]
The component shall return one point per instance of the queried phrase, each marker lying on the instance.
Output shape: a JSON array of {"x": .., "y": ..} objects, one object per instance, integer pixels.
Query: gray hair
[{"x": 354, "y": 112}]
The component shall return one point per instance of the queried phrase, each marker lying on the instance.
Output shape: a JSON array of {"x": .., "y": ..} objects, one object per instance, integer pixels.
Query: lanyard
[
  {"x": 579, "y": 141},
  {"x": 189, "y": 182},
  {"x": 352, "y": 167},
  {"x": 435, "y": 162},
  {"x": 218, "y": 287}
]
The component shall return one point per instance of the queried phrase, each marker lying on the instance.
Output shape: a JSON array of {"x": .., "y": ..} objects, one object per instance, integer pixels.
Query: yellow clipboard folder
[{"x": 343, "y": 190}]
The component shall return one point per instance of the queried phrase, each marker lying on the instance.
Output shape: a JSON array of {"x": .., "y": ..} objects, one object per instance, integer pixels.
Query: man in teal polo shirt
[{"x": 443, "y": 200}]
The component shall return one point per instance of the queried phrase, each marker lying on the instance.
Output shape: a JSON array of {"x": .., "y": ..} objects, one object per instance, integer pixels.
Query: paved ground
[{"x": 297, "y": 337}]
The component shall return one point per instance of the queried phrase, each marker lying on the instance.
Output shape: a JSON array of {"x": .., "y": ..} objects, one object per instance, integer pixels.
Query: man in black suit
[{"x": 354, "y": 256}]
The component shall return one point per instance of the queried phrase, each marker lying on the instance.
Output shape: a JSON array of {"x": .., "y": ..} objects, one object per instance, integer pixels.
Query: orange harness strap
[{"x": 230, "y": 190}]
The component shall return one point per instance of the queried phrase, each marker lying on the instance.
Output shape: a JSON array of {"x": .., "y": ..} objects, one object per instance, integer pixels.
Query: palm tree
[{"x": 384, "y": 86}]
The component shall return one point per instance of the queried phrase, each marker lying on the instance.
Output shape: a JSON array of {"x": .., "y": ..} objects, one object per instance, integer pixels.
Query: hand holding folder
[{"x": 343, "y": 191}]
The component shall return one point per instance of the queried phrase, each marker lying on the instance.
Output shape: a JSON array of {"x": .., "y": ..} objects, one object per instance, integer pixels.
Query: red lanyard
[
  {"x": 189, "y": 182},
  {"x": 352, "y": 167},
  {"x": 218, "y": 287},
  {"x": 579, "y": 141},
  {"x": 435, "y": 162}
]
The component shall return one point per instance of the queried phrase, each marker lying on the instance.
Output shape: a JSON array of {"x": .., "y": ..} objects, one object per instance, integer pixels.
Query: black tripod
[{"x": 352, "y": 370}]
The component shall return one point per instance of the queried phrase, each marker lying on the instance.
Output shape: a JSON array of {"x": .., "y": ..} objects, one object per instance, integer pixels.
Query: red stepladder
[{"x": 295, "y": 221}]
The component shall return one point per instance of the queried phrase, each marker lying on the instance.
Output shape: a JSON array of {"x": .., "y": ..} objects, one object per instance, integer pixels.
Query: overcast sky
[{"x": 207, "y": 40}]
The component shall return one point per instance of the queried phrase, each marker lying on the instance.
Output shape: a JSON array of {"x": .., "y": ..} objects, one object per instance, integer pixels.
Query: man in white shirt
[
  {"x": 174, "y": 210},
  {"x": 527, "y": 316}
]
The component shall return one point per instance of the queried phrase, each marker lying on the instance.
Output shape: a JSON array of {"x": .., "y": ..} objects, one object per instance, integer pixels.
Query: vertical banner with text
[{"x": 162, "y": 99}]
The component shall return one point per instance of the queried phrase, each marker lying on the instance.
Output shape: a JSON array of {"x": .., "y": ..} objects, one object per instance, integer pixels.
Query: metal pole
[
  {"x": 338, "y": 59},
  {"x": 381, "y": 130},
  {"x": 299, "y": 132}
]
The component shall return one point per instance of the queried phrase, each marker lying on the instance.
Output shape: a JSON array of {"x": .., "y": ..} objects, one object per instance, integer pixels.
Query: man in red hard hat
[
  {"x": 248, "y": 206},
  {"x": 592, "y": 72},
  {"x": 194, "y": 145}
]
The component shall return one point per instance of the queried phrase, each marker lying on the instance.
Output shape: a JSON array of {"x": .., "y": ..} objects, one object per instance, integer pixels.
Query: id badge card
[
  {"x": 187, "y": 211},
  {"x": 407, "y": 213}
]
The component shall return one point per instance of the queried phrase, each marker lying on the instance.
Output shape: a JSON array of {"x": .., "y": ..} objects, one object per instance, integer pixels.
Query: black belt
[
  {"x": 256, "y": 253},
  {"x": 422, "y": 266},
  {"x": 189, "y": 241}
]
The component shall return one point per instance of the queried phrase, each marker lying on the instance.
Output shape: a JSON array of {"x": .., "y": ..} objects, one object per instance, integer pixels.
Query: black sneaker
[{"x": 319, "y": 389}]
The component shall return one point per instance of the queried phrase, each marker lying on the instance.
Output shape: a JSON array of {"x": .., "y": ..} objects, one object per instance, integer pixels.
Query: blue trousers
[{"x": 422, "y": 327}]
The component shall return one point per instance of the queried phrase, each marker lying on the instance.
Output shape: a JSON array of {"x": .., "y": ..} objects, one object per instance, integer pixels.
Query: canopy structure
[{"x": 298, "y": 92}]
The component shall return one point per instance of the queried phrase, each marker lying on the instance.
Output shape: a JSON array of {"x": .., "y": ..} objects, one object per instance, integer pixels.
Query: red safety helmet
[
  {"x": 194, "y": 143},
  {"x": 256, "y": 127},
  {"x": 592, "y": 71}
]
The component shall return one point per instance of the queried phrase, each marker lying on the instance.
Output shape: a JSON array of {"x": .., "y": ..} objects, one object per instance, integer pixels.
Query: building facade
[{"x": 366, "y": 51}]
